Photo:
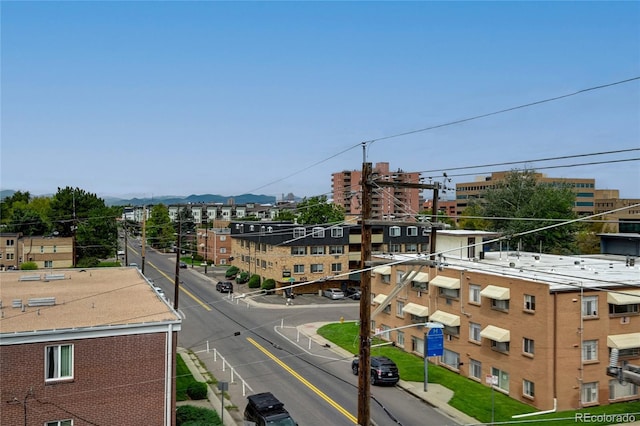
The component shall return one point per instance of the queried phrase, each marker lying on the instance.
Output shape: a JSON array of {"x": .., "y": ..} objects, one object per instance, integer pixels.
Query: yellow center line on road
[
  {"x": 304, "y": 381},
  {"x": 184, "y": 290}
]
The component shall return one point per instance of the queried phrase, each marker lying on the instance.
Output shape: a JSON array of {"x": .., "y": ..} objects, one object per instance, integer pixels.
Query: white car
[
  {"x": 333, "y": 293},
  {"x": 160, "y": 292}
]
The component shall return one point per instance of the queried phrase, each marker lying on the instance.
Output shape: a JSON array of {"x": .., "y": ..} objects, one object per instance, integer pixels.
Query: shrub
[
  {"x": 28, "y": 266},
  {"x": 242, "y": 278},
  {"x": 268, "y": 285},
  {"x": 197, "y": 390},
  {"x": 196, "y": 416},
  {"x": 232, "y": 271},
  {"x": 88, "y": 262},
  {"x": 254, "y": 281}
]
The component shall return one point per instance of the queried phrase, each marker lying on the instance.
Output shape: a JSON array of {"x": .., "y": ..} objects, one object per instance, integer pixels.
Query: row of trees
[{"x": 71, "y": 212}]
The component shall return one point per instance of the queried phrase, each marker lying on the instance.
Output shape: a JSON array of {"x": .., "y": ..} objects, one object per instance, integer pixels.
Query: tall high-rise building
[{"x": 387, "y": 202}]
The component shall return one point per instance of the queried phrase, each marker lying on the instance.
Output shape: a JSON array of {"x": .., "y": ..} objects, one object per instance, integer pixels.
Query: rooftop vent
[
  {"x": 52, "y": 277},
  {"x": 42, "y": 301},
  {"x": 33, "y": 277}
]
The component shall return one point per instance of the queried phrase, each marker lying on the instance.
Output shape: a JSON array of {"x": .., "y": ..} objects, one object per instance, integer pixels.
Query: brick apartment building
[
  {"x": 90, "y": 346},
  {"x": 542, "y": 325},
  {"x": 387, "y": 202},
  {"x": 214, "y": 245},
  {"x": 46, "y": 252}
]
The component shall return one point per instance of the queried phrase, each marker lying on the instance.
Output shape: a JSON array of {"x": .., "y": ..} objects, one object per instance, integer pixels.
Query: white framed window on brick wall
[
  {"x": 336, "y": 232},
  {"x": 336, "y": 249},
  {"x": 590, "y": 350},
  {"x": 528, "y": 388},
  {"x": 474, "y": 332},
  {"x": 590, "y": 306},
  {"x": 317, "y": 267},
  {"x": 298, "y": 251},
  {"x": 529, "y": 302},
  {"x": 298, "y": 269},
  {"x": 528, "y": 346},
  {"x": 474, "y": 293},
  {"x": 58, "y": 362},
  {"x": 336, "y": 267},
  {"x": 317, "y": 250},
  {"x": 589, "y": 393},
  {"x": 68, "y": 422},
  {"x": 475, "y": 369}
]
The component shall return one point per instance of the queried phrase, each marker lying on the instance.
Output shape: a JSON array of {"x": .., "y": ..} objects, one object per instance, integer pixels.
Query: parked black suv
[
  {"x": 264, "y": 409},
  {"x": 383, "y": 370},
  {"x": 224, "y": 286}
]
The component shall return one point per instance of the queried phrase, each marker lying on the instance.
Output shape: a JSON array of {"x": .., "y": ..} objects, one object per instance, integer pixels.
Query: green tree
[
  {"x": 74, "y": 212},
  {"x": 441, "y": 217},
  {"x": 285, "y": 216},
  {"x": 160, "y": 231},
  {"x": 6, "y": 205},
  {"x": 317, "y": 210},
  {"x": 521, "y": 204},
  {"x": 27, "y": 220},
  {"x": 186, "y": 228},
  {"x": 471, "y": 218}
]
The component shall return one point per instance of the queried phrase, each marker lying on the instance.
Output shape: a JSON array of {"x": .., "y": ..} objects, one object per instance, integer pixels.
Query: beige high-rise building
[
  {"x": 387, "y": 202},
  {"x": 583, "y": 188}
]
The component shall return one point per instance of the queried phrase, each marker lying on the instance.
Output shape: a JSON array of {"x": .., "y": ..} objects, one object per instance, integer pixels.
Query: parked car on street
[
  {"x": 383, "y": 370},
  {"x": 333, "y": 293},
  {"x": 183, "y": 265},
  {"x": 160, "y": 292},
  {"x": 352, "y": 293},
  {"x": 264, "y": 409},
  {"x": 224, "y": 286}
]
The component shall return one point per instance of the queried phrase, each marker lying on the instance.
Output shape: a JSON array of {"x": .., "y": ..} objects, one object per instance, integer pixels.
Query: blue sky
[{"x": 179, "y": 98}]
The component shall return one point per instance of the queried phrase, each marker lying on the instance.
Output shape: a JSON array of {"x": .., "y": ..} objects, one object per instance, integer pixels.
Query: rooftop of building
[
  {"x": 82, "y": 298},
  {"x": 560, "y": 273}
]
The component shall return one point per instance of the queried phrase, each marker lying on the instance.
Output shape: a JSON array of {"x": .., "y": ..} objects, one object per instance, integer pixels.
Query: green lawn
[
  {"x": 183, "y": 378},
  {"x": 470, "y": 397}
]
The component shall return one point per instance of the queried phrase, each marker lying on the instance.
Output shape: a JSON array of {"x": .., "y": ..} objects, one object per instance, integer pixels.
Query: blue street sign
[{"x": 435, "y": 342}]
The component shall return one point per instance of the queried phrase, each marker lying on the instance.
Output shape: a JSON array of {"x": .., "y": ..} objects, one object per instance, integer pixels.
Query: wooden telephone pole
[{"x": 364, "y": 372}]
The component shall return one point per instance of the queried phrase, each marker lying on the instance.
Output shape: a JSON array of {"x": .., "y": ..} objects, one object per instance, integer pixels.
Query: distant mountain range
[{"x": 176, "y": 199}]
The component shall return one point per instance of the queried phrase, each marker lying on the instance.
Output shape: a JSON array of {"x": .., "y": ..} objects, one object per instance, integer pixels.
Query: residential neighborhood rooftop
[
  {"x": 561, "y": 273},
  {"x": 35, "y": 301}
]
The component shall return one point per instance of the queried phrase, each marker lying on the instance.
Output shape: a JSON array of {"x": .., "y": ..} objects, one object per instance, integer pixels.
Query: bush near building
[{"x": 254, "y": 281}]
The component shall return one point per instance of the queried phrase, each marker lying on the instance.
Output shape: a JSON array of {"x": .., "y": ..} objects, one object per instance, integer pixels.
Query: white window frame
[
  {"x": 411, "y": 248},
  {"x": 475, "y": 369},
  {"x": 66, "y": 422},
  {"x": 298, "y": 269},
  {"x": 528, "y": 346},
  {"x": 451, "y": 358},
  {"x": 399, "y": 308},
  {"x": 502, "y": 347},
  {"x": 317, "y": 250},
  {"x": 395, "y": 248},
  {"x": 589, "y": 306},
  {"x": 474, "y": 332},
  {"x": 337, "y": 232},
  {"x": 335, "y": 250},
  {"x": 48, "y": 263},
  {"x": 299, "y": 232},
  {"x": 317, "y": 268},
  {"x": 395, "y": 231},
  {"x": 400, "y": 338},
  {"x": 503, "y": 379},
  {"x": 528, "y": 388},
  {"x": 55, "y": 352},
  {"x": 589, "y": 393},
  {"x": 590, "y": 350},
  {"x": 529, "y": 302},
  {"x": 336, "y": 267},
  {"x": 500, "y": 305},
  {"x": 412, "y": 231},
  {"x": 317, "y": 232},
  {"x": 298, "y": 250},
  {"x": 474, "y": 293}
]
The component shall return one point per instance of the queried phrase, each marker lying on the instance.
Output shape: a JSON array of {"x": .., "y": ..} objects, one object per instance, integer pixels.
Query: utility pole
[
  {"x": 126, "y": 251},
  {"x": 176, "y": 283},
  {"x": 364, "y": 372},
  {"x": 144, "y": 235},
  {"x": 364, "y": 390}
]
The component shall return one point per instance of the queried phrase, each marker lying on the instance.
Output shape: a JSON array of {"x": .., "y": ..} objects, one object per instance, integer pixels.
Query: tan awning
[
  {"x": 382, "y": 270},
  {"x": 415, "y": 309},
  {"x": 625, "y": 297},
  {"x": 421, "y": 277},
  {"x": 496, "y": 333},
  {"x": 445, "y": 318},
  {"x": 379, "y": 298},
  {"x": 624, "y": 341},
  {"x": 445, "y": 282},
  {"x": 495, "y": 292}
]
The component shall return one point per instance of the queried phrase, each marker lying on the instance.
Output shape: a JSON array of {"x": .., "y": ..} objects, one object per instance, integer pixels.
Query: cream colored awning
[
  {"x": 625, "y": 297},
  {"x": 496, "y": 333},
  {"x": 495, "y": 292},
  {"x": 624, "y": 341},
  {"x": 415, "y": 309},
  {"x": 421, "y": 277},
  {"x": 382, "y": 270},
  {"x": 379, "y": 298},
  {"x": 445, "y": 318},
  {"x": 445, "y": 282}
]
